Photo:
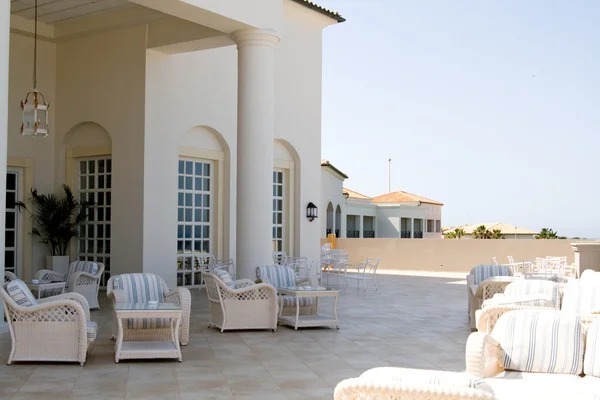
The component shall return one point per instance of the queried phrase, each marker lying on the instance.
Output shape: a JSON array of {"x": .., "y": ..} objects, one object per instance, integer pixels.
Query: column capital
[{"x": 255, "y": 37}]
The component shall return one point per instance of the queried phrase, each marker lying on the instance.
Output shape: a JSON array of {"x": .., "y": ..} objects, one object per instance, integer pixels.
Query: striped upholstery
[
  {"x": 533, "y": 287},
  {"x": 591, "y": 365},
  {"x": 225, "y": 277},
  {"x": 482, "y": 272},
  {"x": 92, "y": 329},
  {"x": 528, "y": 300},
  {"x": 142, "y": 288},
  {"x": 20, "y": 293},
  {"x": 277, "y": 275},
  {"x": 290, "y": 301},
  {"x": 80, "y": 266},
  {"x": 540, "y": 341},
  {"x": 581, "y": 297},
  {"x": 421, "y": 377}
]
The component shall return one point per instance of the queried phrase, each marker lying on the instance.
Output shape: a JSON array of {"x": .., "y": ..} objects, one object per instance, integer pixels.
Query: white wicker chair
[
  {"x": 412, "y": 384},
  {"x": 483, "y": 282},
  {"x": 9, "y": 276},
  {"x": 141, "y": 288},
  {"x": 243, "y": 305},
  {"x": 56, "y": 328},
  {"x": 81, "y": 279}
]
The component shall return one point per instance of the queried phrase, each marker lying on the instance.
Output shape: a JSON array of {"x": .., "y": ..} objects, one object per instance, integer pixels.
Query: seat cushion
[
  {"x": 420, "y": 377},
  {"x": 587, "y": 387},
  {"x": 277, "y": 275},
  {"x": 290, "y": 301},
  {"x": 225, "y": 277},
  {"x": 20, "y": 293},
  {"x": 535, "y": 300},
  {"x": 533, "y": 287},
  {"x": 591, "y": 364},
  {"x": 482, "y": 272},
  {"x": 510, "y": 385},
  {"x": 581, "y": 297},
  {"x": 148, "y": 323},
  {"x": 92, "y": 330},
  {"x": 540, "y": 341}
]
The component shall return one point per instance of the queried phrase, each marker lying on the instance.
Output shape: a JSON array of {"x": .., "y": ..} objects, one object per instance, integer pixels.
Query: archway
[
  {"x": 338, "y": 221},
  {"x": 330, "y": 219}
]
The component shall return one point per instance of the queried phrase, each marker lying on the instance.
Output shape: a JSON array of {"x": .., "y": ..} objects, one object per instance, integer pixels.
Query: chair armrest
[
  {"x": 117, "y": 295},
  {"x": 482, "y": 355},
  {"x": 303, "y": 281},
  {"x": 180, "y": 296},
  {"x": 242, "y": 283},
  {"x": 49, "y": 275},
  {"x": 57, "y": 310},
  {"x": 258, "y": 290},
  {"x": 470, "y": 280},
  {"x": 70, "y": 296},
  {"x": 84, "y": 278}
]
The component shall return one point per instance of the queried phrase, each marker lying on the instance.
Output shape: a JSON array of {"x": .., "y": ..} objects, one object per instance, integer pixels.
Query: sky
[{"x": 491, "y": 107}]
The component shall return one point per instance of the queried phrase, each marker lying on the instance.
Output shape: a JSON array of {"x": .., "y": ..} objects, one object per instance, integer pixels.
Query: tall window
[
  {"x": 278, "y": 217},
  {"x": 95, "y": 183},
  {"x": 12, "y": 226},
  {"x": 194, "y": 219}
]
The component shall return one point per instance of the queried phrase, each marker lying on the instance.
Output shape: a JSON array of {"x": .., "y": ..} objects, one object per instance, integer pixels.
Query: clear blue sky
[{"x": 446, "y": 88}]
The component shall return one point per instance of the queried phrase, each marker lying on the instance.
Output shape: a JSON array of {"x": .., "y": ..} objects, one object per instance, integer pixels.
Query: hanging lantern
[
  {"x": 35, "y": 115},
  {"x": 34, "y": 108}
]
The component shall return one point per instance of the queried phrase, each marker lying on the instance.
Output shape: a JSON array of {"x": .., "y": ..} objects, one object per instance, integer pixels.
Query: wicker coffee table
[
  {"x": 44, "y": 286},
  {"x": 300, "y": 321},
  {"x": 151, "y": 348}
]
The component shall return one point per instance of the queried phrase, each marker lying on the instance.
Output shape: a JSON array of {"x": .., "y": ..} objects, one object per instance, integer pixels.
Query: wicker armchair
[
  {"x": 283, "y": 276},
  {"x": 83, "y": 278},
  {"x": 413, "y": 384},
  {"x": 141, "y": 288},
  {"x": 56, "y": 328},
  {"x": 483, "y": 282},
  {"x": 9, "y": 276},
  {"x": 241, "y": 304}
]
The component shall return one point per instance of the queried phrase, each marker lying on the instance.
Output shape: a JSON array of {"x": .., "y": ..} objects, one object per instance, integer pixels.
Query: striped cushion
[
  {"x": 482, "y": 272},
  {"x": 591, "y": 365},
  {"x": 92, "y": 329},
  {"x": 80, "y": 266},
  {"x": 290, "y": 301},
  {"x": 540, "y": 341},
  {"x": 225, "y": 277},
  {"x": 20, "y": 293},
  {"x": 277, "y": 275},
  {"x": 421, "y": 377},
  {"x": 141, "y": 288},
  {"x": 581, "y": 297},
  {"x": 533, "y": 287},
  {"x": 148, "y": 323},
  {"x": 529, "y": 300}
]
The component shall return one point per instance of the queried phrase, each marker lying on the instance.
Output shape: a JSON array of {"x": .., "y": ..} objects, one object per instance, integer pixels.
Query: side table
[{"x": 43, "y": 286}]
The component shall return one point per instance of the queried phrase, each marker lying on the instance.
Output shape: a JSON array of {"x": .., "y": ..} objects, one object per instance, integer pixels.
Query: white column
[
  {"x": 4, "y": 53},
  {"x": 360, "y": 226},
  {"x": 256, "y": 131},
  {"x": 412, "y": 229}
]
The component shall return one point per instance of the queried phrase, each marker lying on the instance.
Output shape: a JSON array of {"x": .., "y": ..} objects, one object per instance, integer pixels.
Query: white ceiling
[{"x": 54, "y": 11}]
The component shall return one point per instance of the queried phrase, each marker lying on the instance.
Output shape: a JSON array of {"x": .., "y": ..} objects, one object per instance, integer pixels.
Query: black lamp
[{"x": 312, "y": 211}]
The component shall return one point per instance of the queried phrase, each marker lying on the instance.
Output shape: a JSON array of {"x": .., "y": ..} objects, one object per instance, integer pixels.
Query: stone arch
[
  {"x": 338, "y": 221},
  {"x": 205, "y": 138},
  {"x": 330, "y": 219},
  {"x": 285, "y": 156},
  {"x": 87, "y": 134}
]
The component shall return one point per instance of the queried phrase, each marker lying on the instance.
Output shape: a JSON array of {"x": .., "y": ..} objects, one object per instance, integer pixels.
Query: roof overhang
[{"x": 329, "y": 13}]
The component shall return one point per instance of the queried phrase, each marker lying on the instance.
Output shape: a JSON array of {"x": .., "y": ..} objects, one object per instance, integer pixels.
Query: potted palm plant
[{"x": 56, "y": 220}]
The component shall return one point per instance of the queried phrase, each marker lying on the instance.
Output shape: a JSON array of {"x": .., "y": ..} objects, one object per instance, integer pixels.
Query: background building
[{"x": 508, "y": 231}]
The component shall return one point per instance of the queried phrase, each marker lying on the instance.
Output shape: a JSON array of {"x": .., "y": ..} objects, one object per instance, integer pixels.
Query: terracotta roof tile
[
  {"x": 314, "y": 6},
  {"x": 403, "y": 197},
  {"x": 355, "y": 195}
]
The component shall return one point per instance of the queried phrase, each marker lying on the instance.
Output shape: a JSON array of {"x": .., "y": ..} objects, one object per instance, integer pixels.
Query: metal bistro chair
[{"x": 366, "y": 271}]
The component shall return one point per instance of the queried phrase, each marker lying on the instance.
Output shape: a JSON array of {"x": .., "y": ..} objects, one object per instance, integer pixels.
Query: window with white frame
[
  {"x": 95, "y": 183},
  {"x": 12, "y": 224},
  {"x": 278, "y": 211},
  {"x": 194, "y": 219}
]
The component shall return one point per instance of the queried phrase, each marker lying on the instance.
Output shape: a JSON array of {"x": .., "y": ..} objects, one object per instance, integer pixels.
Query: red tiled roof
[
  {"x": 404, "y": 197},
  {"x": 355, "y": 195}
]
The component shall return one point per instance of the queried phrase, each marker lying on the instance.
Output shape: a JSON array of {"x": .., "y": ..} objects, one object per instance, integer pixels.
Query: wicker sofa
[
  {"x": 283, "y": 276},
  {"x": 141, "y": 288},
  {"x": 240, "y": 304},
  {"x": 538, "y": 354},
  {"x": 483, "y": 282},
  {"x": 56, "y": 328},
  {"x": 83, "y": 277}
]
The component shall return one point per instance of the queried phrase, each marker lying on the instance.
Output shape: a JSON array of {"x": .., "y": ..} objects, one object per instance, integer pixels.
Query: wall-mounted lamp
[
  {"x": 312, "y": 211},
  {"x": 346, "y": 195}
]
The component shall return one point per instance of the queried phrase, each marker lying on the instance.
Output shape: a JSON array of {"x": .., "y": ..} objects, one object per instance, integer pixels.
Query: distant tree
[
  {"x": 459, "y": 233},
  {"x": 481, "y": 232},
  {"x": 449, "y": 235},
  {"x": 497, "y": 234},
  {"x": 547, "y": 233}
]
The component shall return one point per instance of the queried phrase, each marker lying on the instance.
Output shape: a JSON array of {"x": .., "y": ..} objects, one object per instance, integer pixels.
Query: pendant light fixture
[{"x": 34, "y": 108}]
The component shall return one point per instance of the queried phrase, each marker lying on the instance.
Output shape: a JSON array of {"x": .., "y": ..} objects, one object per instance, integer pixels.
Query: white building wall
[{"x": 331, "y": 191}]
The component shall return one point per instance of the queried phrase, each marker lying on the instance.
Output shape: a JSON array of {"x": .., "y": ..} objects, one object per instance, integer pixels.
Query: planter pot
[{"x": 58, "y": 263}]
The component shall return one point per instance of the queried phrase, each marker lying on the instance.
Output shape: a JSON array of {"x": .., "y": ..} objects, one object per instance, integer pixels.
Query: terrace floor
[{"x": 412, "y": 321}]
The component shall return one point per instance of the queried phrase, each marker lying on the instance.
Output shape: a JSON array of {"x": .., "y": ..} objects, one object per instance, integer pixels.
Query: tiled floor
[{"x": 412, "y": 321}]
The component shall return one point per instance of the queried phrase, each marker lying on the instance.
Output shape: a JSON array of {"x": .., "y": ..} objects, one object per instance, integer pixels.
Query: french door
[{"x": 12, "y": 225}]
